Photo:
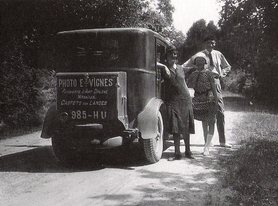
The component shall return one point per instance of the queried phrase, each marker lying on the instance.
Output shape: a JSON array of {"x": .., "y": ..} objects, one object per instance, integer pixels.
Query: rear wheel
[
  {"x": 65, "y": 153},
  {"x": 153, "y": 147}
]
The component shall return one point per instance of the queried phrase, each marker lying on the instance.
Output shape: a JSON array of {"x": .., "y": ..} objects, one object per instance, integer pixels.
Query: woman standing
[
  {"x": 178, "y": 103},
  {"x": 205, "y": 98}
]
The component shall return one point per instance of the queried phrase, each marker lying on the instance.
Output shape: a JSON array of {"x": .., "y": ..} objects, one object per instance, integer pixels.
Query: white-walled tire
[{"x": 153, "y": 147}]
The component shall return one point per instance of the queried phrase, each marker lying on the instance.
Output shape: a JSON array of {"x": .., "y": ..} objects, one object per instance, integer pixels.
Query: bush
[
  {"x": 20, "y": 93},
  {"x": 235, "y": 81},
  {"x": 47, "y": 85}
]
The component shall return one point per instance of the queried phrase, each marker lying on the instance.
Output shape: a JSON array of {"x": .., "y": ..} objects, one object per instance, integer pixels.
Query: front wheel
[{"x": 153, "y": 147}]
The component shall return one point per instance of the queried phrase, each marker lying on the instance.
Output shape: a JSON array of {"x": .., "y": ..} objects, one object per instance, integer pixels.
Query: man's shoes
[
  {"x": 176, "y": 157},
  {"x": 225, "y": 145},
  {"x": 189, "y": 155}
]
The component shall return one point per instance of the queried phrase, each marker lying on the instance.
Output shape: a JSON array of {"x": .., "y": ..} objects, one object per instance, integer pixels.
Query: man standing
[{"x": 220, "y": 68}]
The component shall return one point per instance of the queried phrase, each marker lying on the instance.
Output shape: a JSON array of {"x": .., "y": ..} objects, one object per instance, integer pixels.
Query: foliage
[
  {"x": 28, "y": 31},
  {"x": 37, "y": 21},
  {"x": 173, "y": 36},
  {"x": 33, "y": 24},
  {"x": 19, "y": 90},
  {"x": 249, "y": 38},
  {"x": 251, "y": 170},
  {"x": 47, "y": 85},
  {"x": 195, "y": 36},
  {"x": 235, "y": 81}
]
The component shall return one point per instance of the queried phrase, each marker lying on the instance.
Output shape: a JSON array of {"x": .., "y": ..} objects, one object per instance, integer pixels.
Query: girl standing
[{"x": 205, "y": 98}]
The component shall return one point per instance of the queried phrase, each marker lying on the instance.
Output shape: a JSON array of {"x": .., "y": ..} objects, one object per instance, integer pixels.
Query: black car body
[{"x": 109, "y": 92}]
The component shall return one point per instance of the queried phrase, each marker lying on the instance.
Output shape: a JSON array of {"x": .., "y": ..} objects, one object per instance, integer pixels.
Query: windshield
[{"x": 89, "y": 52}]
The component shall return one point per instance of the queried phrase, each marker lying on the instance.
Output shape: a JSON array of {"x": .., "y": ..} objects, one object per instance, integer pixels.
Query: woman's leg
[
  {"x": 209, "y": 138},
  {"x": 177, "y": 143},
  {"x": 177, "y": 154},
  {"x": 188, "y": 153},
  {"x": 205, "y": 130},
  {"x": 211, "y": 127}
]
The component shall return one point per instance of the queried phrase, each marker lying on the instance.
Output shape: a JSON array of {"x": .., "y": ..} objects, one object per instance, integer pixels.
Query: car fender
[{"x": 147, "y": 119}]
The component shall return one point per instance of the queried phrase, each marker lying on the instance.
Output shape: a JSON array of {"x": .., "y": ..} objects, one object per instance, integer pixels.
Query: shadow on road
[
  {"x": 181, "y": 182},
  {"x": 42, "y": 159}
]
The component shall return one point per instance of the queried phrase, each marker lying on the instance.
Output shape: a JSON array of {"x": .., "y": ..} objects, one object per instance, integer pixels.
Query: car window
[{"x": 88, "y": 54}]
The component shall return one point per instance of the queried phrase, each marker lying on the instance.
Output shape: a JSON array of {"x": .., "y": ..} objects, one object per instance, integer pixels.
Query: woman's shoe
[
  {"x": 189, "y": 155},
  {"x": 206, "y": 151},
  {"x": 176, "y": 157}
]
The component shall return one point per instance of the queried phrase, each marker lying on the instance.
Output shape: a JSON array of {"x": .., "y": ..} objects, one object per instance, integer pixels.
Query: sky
[{"x": 188, "y": 12}]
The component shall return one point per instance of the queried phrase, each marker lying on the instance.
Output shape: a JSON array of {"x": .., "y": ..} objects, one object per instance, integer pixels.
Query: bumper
[{"x": 97, "y": 135}]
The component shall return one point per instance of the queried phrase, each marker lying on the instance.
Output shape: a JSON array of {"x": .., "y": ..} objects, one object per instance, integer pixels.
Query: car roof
[{"x": 114, "y": 31}]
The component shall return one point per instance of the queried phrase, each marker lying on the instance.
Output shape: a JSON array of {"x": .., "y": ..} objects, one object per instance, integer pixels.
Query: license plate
[{"x": 87, "y": 96}]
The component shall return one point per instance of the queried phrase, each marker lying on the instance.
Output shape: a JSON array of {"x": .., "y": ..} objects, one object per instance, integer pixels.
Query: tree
[
  {"x": 28, "y": 30},
  {"x": 195, "y": 36},
  {"x": 19, "y": 93},
  {"x": 249, "y": 34},
  {"x": 34, "y": 23}
]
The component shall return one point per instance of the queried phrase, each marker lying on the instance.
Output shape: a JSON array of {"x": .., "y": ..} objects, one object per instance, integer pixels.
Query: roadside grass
[{"x": 252, "y": 170}]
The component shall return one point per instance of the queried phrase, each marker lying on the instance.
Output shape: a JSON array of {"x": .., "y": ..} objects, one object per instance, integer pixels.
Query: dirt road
[{"x": 31, "y": 175}]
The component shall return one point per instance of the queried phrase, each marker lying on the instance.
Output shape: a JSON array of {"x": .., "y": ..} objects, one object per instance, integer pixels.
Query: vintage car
[{"x": 109, "y": 93}]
